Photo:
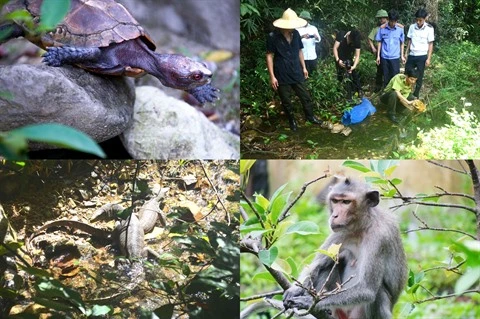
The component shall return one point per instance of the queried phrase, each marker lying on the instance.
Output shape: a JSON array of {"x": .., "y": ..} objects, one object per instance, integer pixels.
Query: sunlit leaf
[
  {"x": 246, "y": 165},
  {"x": 396, "y": 181},
  {"x": 303, "y": 228},
  {"x": 101, "y": 310},
  {"x": 277, "y": 206},
  {"x": 262, "y": 201},
  {"x": 467, "y": 280},
  {"x": 356, "y": 166}
]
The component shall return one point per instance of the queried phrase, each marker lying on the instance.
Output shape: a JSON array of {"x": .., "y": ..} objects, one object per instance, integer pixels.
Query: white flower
[
  {"x": 462, "y": 99},
  {"x": 468, "y": 104}
]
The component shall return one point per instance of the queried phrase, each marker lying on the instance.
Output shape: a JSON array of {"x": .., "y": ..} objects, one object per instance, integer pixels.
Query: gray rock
[
  {"x": 166, "y": 128},
  {"x": 100, "y": 106},
  {"x": 212, "y": 22}
]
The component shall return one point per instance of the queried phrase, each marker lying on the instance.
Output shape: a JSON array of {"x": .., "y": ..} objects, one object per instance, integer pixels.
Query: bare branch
[
  {"x": 284, "y": 214},
  {"x": 448, "y": 167},
  {"x": 244, "y": 214},
  {"x": 454, "y": 269},
  {"x": 264, "y": 295},
  {"x": 254, "y": 210},
  {"x": 473, "y": 210},
  {"x": 441, "y": 229},
  {"x": 216, "y": 192},
  {"x": 447, "y": 296}
]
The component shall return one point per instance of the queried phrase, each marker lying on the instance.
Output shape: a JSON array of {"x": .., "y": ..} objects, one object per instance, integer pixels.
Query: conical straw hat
[{"x": 289, "y": 20}]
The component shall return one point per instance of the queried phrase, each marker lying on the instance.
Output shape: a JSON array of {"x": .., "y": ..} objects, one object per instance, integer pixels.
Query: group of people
[{"x": 291, "y": 58}]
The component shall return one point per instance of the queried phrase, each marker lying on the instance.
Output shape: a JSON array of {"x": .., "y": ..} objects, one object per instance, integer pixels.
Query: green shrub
[{"x": 459, "y": 140}]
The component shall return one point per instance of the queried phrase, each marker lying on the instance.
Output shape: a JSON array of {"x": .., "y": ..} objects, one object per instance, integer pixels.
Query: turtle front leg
[
  {"x": 57, "y": 56},
  {"x": 204, "y": 93}
]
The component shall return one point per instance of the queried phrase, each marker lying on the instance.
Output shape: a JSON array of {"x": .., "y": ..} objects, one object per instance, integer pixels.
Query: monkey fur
[{"x": 371, "y": 256}]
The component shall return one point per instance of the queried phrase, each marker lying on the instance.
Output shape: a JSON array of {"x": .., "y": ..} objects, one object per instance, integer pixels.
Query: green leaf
[
  {"x": 356, "y": 166},
  {"x": 265, "y": 275},
  {"x": 59, "y": 135},
  {"x": 282, "y": 265},
  {"x": 246, "y": 165},
  {"x": 411, "y": 278},
  {"x": 52, "y": 13},
  {"x": 267, "y": 257},
  {"x": 277, "y": 207},
  {"x": 396, "y": 181},
  {"x": 390, "y": 193},
  {"x": 165, "y": 311},
  {"x": 100, "y": 310},
  {"x": 262, "y": 201},
  {"x": 13, "y": 146},
  {"x": 467, "y": 280},
  {"x": 277, "y": 193},
  {"x": 50, "y": 303},
  {"x": 389, "y": 170},
  {"x": 303, "y": 228}
]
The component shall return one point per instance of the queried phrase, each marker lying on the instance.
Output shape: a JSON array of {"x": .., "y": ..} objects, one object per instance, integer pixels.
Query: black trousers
[
  {"x": 419, "y": 63},
  {"x": 285, "y": 92},
  {"x": 352, "y": 81},
  {"x": 390, "y": 68},
  {"x": 391, "y": 100},
  {"x": 379, "y": 77},
  {"x": 311, "y": 66}
]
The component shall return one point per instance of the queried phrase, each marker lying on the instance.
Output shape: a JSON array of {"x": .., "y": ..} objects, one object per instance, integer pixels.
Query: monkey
[{"x": 371, "y": 264}]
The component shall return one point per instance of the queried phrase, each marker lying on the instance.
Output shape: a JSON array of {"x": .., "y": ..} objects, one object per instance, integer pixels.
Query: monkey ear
[{"x": 373, "y": 198}]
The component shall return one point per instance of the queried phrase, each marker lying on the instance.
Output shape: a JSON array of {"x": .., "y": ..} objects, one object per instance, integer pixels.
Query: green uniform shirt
[
  {"x": 397, "y": 83},
  {"x": 373, "y": 33}
]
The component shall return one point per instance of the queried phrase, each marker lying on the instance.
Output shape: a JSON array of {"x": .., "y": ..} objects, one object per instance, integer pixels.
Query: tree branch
[
  {"x": 473, "y": 210},
  {"x": 284, "y": 214},
  {"x": 447, "y": 296},
  {"x": 448, "y": 167}
]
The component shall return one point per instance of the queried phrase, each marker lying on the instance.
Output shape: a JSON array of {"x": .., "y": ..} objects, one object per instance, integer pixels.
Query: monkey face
[
  {"x": 342, "y": 211},
  {"x": 349, "y": 202}
]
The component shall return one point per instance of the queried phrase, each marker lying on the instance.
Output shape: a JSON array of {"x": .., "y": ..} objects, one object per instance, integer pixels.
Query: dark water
[{"x": 376, "y": 137}]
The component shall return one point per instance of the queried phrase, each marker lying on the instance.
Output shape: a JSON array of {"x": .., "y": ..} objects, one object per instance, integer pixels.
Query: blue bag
[{"x": 358, "y": 113}]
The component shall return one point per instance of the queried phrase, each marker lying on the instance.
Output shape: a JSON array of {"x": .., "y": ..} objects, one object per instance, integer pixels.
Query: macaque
[{"x": 371, "y": 266}]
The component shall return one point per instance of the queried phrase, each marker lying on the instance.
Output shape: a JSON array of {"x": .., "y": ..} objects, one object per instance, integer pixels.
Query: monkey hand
[{"x": 296, "y": 297}]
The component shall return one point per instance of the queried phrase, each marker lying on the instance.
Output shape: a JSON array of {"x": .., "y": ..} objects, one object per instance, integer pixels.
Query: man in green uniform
[
  {"x": 399, "y": 90},
  {"x": 382, "y": 19}
]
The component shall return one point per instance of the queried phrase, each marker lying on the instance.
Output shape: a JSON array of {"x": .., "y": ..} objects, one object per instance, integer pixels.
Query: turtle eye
[{"x": 197, "y": 76}]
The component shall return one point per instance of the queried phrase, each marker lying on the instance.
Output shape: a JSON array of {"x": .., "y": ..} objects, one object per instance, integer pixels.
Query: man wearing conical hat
[{"x": 286, "y": 66}]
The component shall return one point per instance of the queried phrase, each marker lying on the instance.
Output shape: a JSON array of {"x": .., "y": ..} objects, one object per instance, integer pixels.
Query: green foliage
[
  {"x": 455, "y": 73},
  {"x": 326, "y": 91},
  {"x": 217, "y": 285},
  {"x": 13, "y": 144},
  {"x": 379, "y": 174},
  {"x": 459, "y": 140},
  {"x": 53, "y": 12}
]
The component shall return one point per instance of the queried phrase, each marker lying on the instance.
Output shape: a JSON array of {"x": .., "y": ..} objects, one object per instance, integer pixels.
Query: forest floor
[{"x": 74, "y": 190}]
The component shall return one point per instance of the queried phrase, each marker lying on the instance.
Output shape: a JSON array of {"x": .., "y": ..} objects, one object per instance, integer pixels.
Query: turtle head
[{"x": 180, "y": 72}]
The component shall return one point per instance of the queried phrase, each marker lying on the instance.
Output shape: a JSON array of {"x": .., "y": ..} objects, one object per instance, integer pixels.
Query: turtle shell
[{"x": 89, "y": 23}]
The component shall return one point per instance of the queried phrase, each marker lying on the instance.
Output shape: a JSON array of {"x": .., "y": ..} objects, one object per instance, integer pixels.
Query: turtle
[{"x": 102, "y": 36}]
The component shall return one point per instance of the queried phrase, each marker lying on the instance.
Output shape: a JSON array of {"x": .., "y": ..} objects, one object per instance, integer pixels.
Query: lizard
[{"x": 128, "y": 234}]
